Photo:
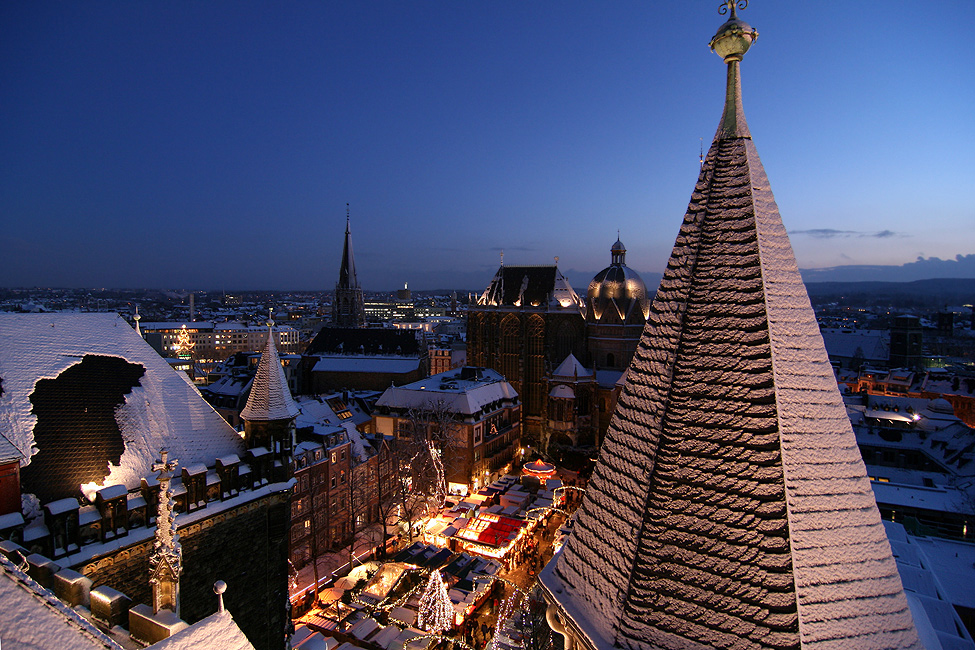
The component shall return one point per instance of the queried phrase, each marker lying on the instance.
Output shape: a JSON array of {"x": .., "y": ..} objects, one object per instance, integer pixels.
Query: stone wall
[{"x": 246, "y": 547}]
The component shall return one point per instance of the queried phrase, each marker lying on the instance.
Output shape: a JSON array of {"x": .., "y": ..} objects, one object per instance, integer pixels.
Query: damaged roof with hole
[
  {"x": 730, "y": 507},
  {"x": 87, "y": 401}
]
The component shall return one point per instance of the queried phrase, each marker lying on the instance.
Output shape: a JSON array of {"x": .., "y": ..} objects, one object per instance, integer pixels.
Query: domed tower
[{"x": 616, "y": 311}]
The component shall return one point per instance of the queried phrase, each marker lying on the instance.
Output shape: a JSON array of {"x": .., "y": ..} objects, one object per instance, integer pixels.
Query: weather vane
[{"x": 729, "y": 5}]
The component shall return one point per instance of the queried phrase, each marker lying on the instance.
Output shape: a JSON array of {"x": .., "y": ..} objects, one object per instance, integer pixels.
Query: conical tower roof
[
  {"x": 730, "y": 507},
  {"x": 270, "y": 398}
]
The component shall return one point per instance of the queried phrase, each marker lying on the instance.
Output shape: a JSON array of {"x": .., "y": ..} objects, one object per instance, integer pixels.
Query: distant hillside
[
  {"x": 963, "y": 266},
  {"x": 923, "y": 293}
]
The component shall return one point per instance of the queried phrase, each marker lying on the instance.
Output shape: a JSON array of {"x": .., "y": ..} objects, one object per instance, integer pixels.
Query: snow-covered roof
[
  {"x": 362, "y": 363},
  {"x": 270, "y": 397},
  {"x": 8, "y": 451},
  {"x": 563, "y": 391},
  {"x": 571, "y": 368},
  {"x": 55, "y": 367},
  {"x": 456, "y": 395},
  {"x": 873, "y": 345},
  {"x": 32, "y": 617},
  {"x": 730, "y": 506},
  {"x": 215, "y": 631}
]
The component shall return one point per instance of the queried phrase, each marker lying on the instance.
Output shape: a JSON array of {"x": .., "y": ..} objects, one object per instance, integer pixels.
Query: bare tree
[
  {"x": 433, "y": 439},
  {"x": 362, "y": 499}
]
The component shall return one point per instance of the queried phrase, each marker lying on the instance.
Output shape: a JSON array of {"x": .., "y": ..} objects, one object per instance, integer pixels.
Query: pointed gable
[
  {"x": 571, "y": 368},
  {"x": 270, "y": 397},
  {"x": 730, "y": 507}
]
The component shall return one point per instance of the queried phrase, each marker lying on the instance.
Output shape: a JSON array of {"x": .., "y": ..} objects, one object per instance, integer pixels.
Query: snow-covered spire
[
  {"x": 730, "y": 506},
  {"x": 270, "y": 398}
]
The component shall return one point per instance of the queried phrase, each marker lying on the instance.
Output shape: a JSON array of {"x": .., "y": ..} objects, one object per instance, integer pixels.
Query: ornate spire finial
[
  {"x": 270, "y": 319},
  {"x": 735, "y": 36},
  {"x": 166, "y": 561},
  {"x": 502, "y": 257},
  {"x": 731, "y": 42},
  {"x": 729, "y": 5},
  {"x": 137, "y": 318},
  {"x": 556, "y": 260}
]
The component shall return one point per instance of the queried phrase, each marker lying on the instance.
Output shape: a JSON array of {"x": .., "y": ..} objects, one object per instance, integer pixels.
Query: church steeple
[
  {"x": 348, "y": 308},
  {"x": 730, "y": 506},
  {"x": 347, "y": 277}
]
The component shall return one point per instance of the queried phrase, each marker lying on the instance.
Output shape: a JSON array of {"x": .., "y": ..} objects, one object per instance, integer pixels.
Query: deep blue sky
[{"x": 215, "y": 144}]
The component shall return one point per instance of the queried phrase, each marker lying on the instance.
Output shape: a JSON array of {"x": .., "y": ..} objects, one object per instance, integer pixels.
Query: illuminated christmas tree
[
  {"x": 184, "y": 346},
  {"x": 436, "y": 611}
]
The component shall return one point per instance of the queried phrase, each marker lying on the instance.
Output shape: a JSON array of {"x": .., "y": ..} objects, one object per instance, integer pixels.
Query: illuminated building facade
[
  {"x": 484, "y": 411},
  {"x": 210, "y": 341}
]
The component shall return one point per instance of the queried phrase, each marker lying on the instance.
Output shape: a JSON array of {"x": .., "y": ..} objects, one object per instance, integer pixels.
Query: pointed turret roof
[
  {"x": 347, "y": 277},
  {"x": 730, "y": 507},
  {"x": 270, "y": 397}
]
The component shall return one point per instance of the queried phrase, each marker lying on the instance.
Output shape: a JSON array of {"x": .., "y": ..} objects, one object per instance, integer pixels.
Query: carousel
[{"x": 539, "y": 469}]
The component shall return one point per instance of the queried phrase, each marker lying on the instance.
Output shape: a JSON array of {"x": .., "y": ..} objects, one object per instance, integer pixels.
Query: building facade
[
  {"x": 210, "y": 341},
  {"x": 482, "y": 411}
]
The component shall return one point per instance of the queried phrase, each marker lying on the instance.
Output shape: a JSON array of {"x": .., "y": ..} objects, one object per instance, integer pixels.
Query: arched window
[{"x": 610, "y": 360}]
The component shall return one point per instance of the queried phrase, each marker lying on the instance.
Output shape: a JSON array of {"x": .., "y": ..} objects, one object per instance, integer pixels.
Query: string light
[{"x": 436, "y": 611}]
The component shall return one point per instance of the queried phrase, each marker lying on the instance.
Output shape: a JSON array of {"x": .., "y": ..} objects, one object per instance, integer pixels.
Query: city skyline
[{"x": 217, "y": 145}]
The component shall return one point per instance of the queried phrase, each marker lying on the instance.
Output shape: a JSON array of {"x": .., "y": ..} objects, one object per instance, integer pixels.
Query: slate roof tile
[{"x": 729, "y": 507}]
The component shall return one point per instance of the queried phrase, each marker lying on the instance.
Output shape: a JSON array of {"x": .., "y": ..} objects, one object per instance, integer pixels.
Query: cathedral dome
[{"x": 617, "y": 293}]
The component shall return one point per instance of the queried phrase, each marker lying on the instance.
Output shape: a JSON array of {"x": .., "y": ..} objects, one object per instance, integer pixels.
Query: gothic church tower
[{"x": 348, "y": 309}]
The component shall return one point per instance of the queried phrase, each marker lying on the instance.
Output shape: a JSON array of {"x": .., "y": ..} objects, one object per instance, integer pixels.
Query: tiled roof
[
  {"x": 270, "y": 397},
  {"x": 86, "y": 398},
  {"x": 730, "y": 507},
  {"x": 350, "y": 340},
  {"x": 524, "y": 286}
]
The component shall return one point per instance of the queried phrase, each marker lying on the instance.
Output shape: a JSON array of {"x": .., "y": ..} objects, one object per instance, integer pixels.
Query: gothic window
[
  {"x": 536, "y": 334},
  {"x": 510, "y": 347},
  {"x": 565, "y": 341}
]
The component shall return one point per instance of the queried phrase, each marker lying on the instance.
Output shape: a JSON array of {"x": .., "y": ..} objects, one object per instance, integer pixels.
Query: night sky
[{"x": 211, "y": 145}]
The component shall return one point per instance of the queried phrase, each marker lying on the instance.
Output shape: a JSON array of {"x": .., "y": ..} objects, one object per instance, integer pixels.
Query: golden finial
[{"x": 735, "y": 36}]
